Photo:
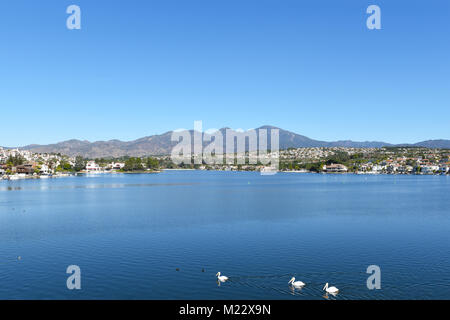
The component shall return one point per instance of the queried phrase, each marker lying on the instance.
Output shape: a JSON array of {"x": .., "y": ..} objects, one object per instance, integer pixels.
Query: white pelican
[
  {"x": 332, "y": 290},
  {"x": 297, "y": 284},
  {"x": 221, "y": 278}
]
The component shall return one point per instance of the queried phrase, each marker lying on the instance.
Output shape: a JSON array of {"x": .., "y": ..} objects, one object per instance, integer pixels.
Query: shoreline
[{"x": 65, "y": 175}]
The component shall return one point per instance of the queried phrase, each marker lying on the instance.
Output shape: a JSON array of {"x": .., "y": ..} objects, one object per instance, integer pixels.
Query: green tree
[
  {"x": 152, "y": 163},
  {"x": 80, "y": 164},
  {"x": 15, "y": 161},
  {"x": 66, "y": 166},
  {"x": 314, "y": 167},
  {"x": 133, "y": 164}
]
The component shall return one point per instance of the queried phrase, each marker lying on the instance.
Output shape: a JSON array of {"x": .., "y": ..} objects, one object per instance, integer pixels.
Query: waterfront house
[
  {"x": 117, "y": 165},
  {"x": 377, "y": 168},
  {"x": 429, "y": 169},
  {"x": 91, "y": 166},
  {"x": 335, "y": 168},
  {"x": 45, "y": 170},
  {"x": 26, "y": 169},
  {"x": 401, "y": 169},
  {"x": 394, "y": 168},
  {"x": 405, "y": 169}
]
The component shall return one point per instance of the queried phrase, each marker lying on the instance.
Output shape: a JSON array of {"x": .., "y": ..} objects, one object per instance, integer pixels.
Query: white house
[
  {"x": 117, "y": 165},
  {"x": 44, "y": 169},
  {"x": 91, "y": 166},
  {"x": 429, "y": 169},
  {"x": 377, "y": 168},
  {"x": 335, "y": 168}
]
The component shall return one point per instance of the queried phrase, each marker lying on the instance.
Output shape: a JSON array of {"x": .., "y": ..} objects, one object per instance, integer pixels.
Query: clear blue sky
[{"x": 138, "y": 68}]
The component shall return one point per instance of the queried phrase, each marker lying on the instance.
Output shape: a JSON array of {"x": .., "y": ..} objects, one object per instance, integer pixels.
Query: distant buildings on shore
[
  {"x": 399, "y": 160},
  {"x": 23, "y": 163}
]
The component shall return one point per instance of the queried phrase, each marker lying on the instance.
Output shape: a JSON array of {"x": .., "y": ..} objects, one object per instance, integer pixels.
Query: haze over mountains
[{"x": 162, "y": 145}]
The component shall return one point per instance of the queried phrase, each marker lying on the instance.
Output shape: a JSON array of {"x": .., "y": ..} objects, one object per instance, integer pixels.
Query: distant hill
[
  {"x": 162, "y": 144},
  {"x": 444, "y": 144}
]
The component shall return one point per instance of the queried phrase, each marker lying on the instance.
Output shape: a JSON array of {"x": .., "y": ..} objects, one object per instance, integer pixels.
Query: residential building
[
  {"x": 429, "y": 169},
  {"x": 91, "y": 166},
  {"x": 117, "y": 165},
  {"x": 26, "y": 168},
  {"x": 335, "y": 168},
  {"x": 45, "y": 170}
]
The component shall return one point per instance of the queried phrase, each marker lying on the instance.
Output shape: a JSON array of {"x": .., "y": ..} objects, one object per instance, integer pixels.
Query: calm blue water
[{"x": 130, "y": 233}]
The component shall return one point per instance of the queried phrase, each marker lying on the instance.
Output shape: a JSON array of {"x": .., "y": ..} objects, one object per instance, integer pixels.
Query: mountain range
[{"x": 162, "y": 145}]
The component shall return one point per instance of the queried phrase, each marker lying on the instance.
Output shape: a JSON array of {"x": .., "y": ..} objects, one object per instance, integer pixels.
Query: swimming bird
[
  {"x": 221, "y": 278},
  {"x": 297, "y": 284},
  {"x": 332, "y": 290}
]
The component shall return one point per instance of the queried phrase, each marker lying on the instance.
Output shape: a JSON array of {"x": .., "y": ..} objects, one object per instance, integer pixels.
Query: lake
[{"x": 166, "y": 235}]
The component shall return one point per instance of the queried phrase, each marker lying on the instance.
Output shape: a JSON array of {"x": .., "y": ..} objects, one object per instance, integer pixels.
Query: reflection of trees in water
[{"x": 9, "y": 188}]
